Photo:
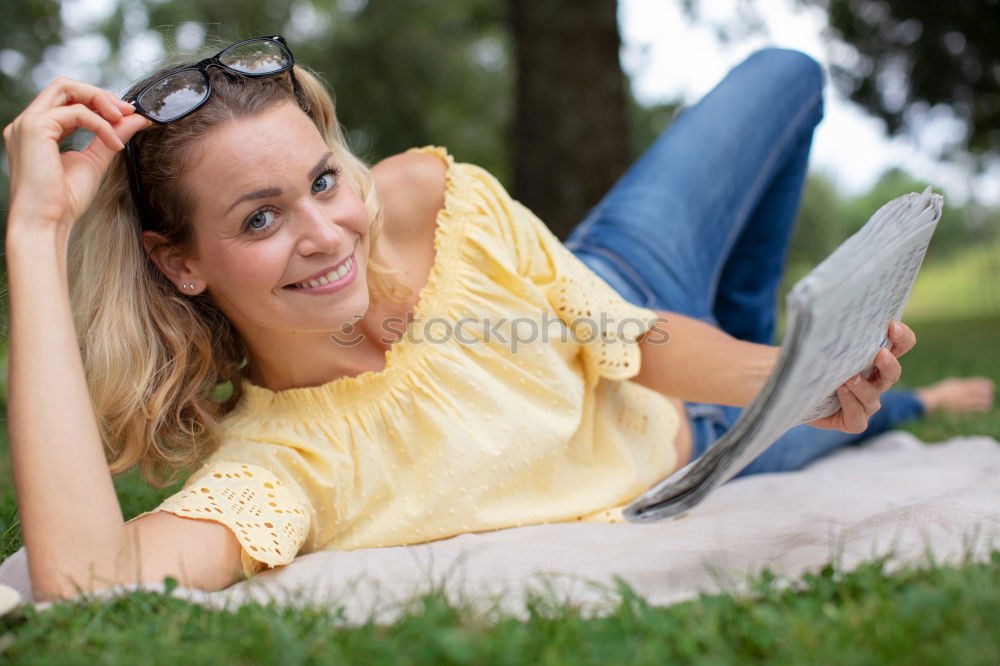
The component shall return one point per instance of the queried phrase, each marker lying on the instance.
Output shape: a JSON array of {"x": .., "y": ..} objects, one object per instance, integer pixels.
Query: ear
[{"x": 172, "y": 263}]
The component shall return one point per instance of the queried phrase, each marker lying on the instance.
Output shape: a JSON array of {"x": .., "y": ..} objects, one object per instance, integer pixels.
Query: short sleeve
[
  {"x": 602, "y": 320},
  {"x": 269, "y": 521}
]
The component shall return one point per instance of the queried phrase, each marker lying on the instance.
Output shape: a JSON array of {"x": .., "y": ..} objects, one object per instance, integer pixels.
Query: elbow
[
  {"x": 38, "y": 579},
  {"x": 55, "y": 584}
]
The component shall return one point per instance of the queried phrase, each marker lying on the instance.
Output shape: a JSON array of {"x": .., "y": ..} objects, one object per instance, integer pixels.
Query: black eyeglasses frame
[{"x": 131, "y": 161}]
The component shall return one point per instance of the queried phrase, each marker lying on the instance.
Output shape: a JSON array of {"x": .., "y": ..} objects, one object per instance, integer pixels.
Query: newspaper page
[{"x": 837, "y": 319}]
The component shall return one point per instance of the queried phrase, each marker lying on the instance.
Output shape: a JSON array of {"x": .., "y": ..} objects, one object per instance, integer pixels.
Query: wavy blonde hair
[{"x": 154, "y": 358}]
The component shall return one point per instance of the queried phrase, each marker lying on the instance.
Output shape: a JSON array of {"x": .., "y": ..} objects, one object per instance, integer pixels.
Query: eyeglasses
[{"x": 181, "y": 92}]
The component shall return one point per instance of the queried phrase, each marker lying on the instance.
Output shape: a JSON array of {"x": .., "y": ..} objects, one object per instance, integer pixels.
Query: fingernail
[
  {"x": 855, "y": 379},
  {"x": 893, "y": 328}
]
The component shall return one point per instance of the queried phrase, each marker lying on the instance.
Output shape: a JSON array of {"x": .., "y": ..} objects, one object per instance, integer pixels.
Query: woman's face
[{"x": 270, "y": 212}]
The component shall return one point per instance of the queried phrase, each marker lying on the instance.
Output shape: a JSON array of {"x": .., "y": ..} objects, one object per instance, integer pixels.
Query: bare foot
[{"x": 958, "y": 394}]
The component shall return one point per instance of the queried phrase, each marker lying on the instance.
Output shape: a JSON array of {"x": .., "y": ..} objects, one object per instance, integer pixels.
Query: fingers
[
  {"x": 64, "y": 92},
  {"x": 124, "y": 130},
  {"x": 902, "y": 337},
  {"x": 852, "y": 411},
  {"x": 78, "y": 115},
  {"x": 889, "y": 370},
  {"x": 867, "y": 393}
]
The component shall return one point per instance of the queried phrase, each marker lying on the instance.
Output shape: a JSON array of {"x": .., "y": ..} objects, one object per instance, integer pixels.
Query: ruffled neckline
[{"x": 402, "y": 354}]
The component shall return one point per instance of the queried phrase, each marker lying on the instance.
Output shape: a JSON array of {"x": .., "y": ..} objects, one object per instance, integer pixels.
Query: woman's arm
[
  {"x": 691, "y": 360},
  {"x": 69, "y": 511},
  {"x": 71, "y": 521}
]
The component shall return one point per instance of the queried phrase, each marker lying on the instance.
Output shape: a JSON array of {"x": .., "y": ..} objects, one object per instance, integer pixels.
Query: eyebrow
[{"x": 275, "y": 191}]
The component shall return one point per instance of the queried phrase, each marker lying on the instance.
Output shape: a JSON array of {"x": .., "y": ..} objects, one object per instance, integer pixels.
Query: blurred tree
[
  {"x": 902, "y": 58},
  {"x": 571, "y": 132},
  {"x": 913, "y": 55},
  {"x": 647, "y": 123},
  {"x": 404, "y": 74},
  {"x": 953, "y": 232},
  {"x": 820, "y": 227},
  {"x": 29, "y": 29}
]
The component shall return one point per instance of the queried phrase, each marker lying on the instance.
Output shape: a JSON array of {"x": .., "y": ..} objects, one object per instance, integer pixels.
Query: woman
[{"x": 238, "y": 239}]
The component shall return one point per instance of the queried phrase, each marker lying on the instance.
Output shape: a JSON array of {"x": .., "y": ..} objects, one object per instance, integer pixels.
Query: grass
[
  {"x": 920, "y": 615},
  {"x": 916, "y": 616},
  {"x": 958, "y": 287}
]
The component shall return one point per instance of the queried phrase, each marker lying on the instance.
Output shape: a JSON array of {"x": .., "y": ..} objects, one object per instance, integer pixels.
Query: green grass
[
  {"x": 966, "y": 346},
  {"x": 960, "y": 286},
  {"x": 932, "y": 615},
  {"x": 921, "y": 615}
]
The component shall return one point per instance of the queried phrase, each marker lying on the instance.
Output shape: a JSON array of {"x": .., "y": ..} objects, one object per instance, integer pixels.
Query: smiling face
[{"x": 271, "y": 210}]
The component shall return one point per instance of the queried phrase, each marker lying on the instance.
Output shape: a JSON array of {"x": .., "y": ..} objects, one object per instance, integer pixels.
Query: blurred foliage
[
  {"x": 826, "y": 217},
  {"x": 404, "y": 73},
  {"x": 904, "y": 61},
  {"x": 909, "y": 56},
  {"x": 413, "y": 72}
]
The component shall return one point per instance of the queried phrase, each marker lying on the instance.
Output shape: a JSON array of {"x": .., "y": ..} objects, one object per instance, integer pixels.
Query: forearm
[
  {"x": 691, "y": 360},
  {"x": 70, "y": 516}
]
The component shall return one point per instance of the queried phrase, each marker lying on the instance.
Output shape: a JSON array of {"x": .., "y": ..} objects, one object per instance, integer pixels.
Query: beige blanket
[{"x": 893, "y": 496}]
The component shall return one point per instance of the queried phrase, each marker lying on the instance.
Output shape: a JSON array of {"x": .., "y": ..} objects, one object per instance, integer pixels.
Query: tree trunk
[{"x": 570, "y": 129}]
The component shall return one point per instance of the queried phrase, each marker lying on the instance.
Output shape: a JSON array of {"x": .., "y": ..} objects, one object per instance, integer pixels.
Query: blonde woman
[{"x": 370, "y": 322}]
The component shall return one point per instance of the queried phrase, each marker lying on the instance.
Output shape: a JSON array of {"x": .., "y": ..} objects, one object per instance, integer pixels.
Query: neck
[{"x": 303, "y": 360}]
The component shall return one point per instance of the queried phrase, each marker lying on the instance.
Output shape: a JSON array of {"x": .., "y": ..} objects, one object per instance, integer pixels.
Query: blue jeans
[{"x": 700, "y": 225}]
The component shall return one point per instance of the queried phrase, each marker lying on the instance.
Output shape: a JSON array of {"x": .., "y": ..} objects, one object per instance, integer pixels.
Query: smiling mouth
[{"x": 326, "y": 278}]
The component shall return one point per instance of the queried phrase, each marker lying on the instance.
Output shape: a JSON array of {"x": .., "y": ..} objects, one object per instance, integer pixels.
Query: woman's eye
[
  {"x": 325, "y": 182},
  {"x": 260, "y": 221}
]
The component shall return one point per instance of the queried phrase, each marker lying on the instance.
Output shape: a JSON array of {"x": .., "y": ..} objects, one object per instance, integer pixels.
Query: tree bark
[{"x": 570, "y": 131}]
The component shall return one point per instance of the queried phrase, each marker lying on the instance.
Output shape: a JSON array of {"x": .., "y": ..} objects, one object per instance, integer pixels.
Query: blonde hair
[{"x": 153, "y": 357}]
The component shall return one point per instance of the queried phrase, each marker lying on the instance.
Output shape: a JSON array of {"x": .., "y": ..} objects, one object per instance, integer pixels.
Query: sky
[{"x": 668, "y": 57}]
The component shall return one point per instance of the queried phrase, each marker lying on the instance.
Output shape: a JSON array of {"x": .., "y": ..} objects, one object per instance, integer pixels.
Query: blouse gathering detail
[{"x": 507, "y": 402}]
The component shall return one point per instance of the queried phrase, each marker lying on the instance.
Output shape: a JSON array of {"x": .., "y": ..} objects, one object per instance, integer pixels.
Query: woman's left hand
[{"x": 859, "y": 397}]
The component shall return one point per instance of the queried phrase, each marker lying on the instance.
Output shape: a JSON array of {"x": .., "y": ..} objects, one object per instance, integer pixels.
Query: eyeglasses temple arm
[
  {"x": 134, "y": 185},
  {"x": 300, "y": 94}
]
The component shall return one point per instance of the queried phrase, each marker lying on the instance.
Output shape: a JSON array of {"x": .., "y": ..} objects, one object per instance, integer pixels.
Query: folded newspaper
[{"x": 837, "y": 319}]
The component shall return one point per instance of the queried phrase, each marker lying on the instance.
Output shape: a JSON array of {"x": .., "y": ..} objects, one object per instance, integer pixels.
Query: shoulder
[{"x": 411, "y": 187}]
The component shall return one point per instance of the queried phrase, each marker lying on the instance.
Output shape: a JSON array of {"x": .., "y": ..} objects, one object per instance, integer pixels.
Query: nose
[{"x": 319, "y": 233}]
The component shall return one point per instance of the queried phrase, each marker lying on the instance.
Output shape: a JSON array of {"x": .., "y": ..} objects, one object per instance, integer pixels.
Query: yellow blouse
[{"x": 506, "y": 403}]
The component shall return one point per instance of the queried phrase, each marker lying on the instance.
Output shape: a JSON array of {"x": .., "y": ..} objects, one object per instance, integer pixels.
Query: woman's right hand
[{"x": 52, "y": 188}]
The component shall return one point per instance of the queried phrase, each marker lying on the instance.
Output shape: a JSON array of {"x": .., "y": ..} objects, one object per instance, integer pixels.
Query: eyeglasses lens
[
  {"x": 261, "y": 57},
  {"x": 175, "y": 95}
]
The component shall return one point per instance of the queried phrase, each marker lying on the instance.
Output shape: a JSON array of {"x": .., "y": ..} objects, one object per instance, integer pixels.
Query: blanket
[{"x": 894, "y": 497}]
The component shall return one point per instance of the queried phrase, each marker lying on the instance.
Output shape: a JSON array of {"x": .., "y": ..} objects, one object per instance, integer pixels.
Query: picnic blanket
[{"x": 893, "y": 497}]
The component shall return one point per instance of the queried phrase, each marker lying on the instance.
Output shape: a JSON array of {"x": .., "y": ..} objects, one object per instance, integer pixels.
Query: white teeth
[{"x": 329, "y": 277}]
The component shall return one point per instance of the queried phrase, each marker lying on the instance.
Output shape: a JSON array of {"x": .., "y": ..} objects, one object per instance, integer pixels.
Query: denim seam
[
  {"x": 791, "y": 129},
  {"x": 619, "y": 263}
]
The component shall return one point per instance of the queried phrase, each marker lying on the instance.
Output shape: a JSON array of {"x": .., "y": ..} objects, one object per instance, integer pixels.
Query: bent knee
[{"x": 790, "y": 65}]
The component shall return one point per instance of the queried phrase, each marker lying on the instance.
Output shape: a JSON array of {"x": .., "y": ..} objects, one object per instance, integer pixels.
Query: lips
[{"x": 321, "y": 273}]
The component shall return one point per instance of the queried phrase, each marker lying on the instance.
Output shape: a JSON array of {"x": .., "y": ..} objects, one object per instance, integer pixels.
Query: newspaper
[{"x": 837, "y": 320}]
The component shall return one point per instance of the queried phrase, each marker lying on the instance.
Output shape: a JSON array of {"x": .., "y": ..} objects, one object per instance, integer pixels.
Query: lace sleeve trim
[
  {"x": 606, "y": 325},
  {"x": 269, "y": 522}
]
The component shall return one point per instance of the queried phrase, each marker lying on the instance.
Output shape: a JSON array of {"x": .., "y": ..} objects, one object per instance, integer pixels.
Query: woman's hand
[
  {"x": 859, "y": 397},
  {"x": 50, "y": 188}
]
